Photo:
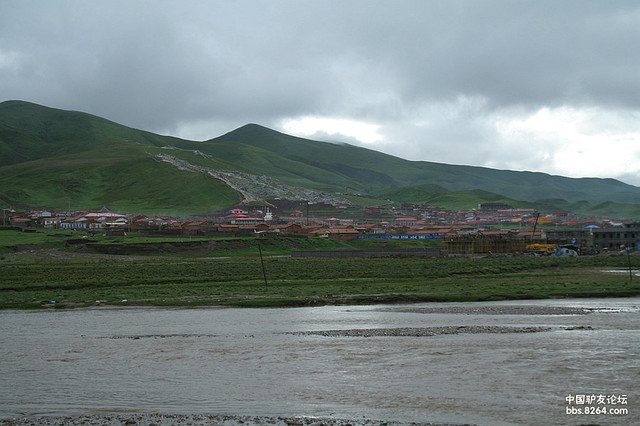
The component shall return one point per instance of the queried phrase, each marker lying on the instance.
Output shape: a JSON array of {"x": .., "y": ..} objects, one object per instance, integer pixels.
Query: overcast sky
[{"x": 551, "y": 86}]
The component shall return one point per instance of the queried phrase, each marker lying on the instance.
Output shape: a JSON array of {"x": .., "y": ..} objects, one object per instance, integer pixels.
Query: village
[{"x": 489, "y": 228}]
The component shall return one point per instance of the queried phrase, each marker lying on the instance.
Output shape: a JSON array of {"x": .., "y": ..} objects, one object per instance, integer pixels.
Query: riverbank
[{"x": 155, "y": 419}]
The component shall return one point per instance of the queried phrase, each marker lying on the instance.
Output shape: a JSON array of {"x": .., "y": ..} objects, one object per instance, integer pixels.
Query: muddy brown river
[{"x": 497, "y": 363}]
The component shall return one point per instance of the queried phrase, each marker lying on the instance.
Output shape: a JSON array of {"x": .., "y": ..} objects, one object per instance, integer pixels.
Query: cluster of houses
[
  {"x": 495, "y": 222},
  {"x": 236, "y": 222}
]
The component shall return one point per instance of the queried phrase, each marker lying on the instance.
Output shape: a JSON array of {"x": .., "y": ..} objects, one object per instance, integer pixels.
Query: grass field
[{"x": 77, "y": 280}]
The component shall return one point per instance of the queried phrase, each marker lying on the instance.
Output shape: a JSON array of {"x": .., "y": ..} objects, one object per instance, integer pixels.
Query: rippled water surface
[{"x": 260, "y": 362}]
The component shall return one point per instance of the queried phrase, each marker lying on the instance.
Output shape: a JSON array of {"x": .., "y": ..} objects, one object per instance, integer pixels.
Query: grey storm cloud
[{"x": 454, "y": 67}]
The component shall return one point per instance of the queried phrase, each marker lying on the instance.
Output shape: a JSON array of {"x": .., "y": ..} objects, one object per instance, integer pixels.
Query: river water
[{"x": 262, "y": 362}]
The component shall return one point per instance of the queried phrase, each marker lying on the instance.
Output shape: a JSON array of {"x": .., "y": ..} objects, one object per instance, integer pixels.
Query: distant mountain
[
  {"x": 376, "y": 171},
  {"x": 66, "y": 159}
]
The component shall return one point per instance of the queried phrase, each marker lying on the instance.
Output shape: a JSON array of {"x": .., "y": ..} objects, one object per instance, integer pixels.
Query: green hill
[
  {"x": 376, "y": 171},
  {"x": 30, "y": 132},
  {"x": 454, "y": 200},
  {"x": 66, "y": 159}
]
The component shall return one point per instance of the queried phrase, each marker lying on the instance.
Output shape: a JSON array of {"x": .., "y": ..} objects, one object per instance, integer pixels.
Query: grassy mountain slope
[
  {"x": 260, "y": 161},
  {"x": 454, "y": 200},
  {"x": 533, "y": 186},
  {"x": 139, "y": 184},
  {"x": 356, "y": 167},
  {"x": 30, "y": 132},
  {"x": 56, "y": 159},
  {"x": 65, "y": 159},
  {"x": 376, "y": 171}
]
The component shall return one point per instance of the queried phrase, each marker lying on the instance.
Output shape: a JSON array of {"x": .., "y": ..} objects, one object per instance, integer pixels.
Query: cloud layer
[{"x": 525, "y": 85}]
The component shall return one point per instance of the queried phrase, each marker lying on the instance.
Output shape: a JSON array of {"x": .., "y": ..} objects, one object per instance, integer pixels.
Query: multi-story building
[
  {"x": 617, "y": 238},
  {"x": 579, "y": 237}
]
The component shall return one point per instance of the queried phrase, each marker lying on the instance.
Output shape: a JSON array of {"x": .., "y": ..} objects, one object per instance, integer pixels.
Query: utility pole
[
  {"x": 629, "y": 262},
  {"x": 535, "y": 224},
  {"x": 264, "y": 271}
]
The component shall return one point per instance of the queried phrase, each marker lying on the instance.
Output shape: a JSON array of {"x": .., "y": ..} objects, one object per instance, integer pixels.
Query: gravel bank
[
  {"x": 422, "y": 331},
  {"x": 192, "y": 420},
  {"x": 498, "y": 310}
]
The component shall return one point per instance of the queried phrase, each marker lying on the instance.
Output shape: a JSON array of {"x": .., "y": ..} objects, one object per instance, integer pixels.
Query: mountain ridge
[
  {"x": 452, "y": 177},
  {"x": 48, "y": 155}
]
